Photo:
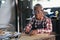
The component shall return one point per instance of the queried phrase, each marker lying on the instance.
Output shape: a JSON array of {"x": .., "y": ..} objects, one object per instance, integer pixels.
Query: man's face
[{"x": 39, "y": 12}]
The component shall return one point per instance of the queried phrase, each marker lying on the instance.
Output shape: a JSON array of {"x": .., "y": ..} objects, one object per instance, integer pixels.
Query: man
[{"x": 40, "y": 23}]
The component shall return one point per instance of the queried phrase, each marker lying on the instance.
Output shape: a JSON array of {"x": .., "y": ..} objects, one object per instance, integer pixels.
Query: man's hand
[
  {"x": 27, "y": 30},
  {"x": 33, "y": 32}
]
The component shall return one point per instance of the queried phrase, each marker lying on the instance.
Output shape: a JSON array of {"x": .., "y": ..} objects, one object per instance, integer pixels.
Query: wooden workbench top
[{"x": 36, "y": 37}]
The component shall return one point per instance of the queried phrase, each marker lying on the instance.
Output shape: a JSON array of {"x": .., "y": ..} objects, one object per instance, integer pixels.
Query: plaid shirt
[{"x": 46, "y": 25}]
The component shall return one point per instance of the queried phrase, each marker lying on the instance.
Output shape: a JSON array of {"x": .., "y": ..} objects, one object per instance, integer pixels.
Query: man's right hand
[{"x": 27, "y": 30}]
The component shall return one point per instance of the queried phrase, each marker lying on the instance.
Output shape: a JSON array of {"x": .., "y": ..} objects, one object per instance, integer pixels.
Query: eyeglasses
[{"x": 38, "y": 11}]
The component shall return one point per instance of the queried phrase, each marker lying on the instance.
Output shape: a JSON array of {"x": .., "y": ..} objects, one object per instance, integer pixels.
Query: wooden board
[{"x": 37, "y": 37}]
